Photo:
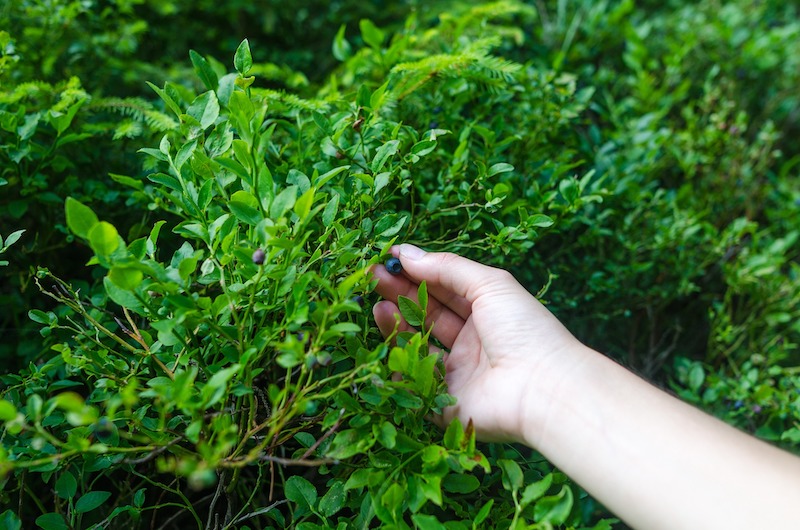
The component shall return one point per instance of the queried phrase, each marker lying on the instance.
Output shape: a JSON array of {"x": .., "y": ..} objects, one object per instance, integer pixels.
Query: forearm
[{"x": 657, "y": 462}]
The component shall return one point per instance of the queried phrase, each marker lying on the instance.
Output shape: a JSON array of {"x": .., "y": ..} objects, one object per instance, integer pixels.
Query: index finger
[{"x": 454, "y": 280}]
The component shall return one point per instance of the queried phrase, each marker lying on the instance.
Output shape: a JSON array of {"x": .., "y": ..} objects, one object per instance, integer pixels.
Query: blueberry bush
[{"x": 188, "y": 222}]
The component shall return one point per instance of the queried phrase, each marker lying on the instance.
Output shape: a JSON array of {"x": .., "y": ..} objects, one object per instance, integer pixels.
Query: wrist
[{"x": 560, "y": 382}]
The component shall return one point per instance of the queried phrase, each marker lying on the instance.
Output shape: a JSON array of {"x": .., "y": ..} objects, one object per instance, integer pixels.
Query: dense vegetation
[{"x": 635, "y": 166}]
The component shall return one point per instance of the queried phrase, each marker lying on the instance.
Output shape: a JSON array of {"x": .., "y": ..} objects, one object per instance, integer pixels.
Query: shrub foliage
[{"x": 214, "y": 365}]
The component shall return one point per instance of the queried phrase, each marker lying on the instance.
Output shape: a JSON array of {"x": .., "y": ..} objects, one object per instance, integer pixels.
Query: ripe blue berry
[
  {"x": 359, "y": 300},
  {"x": 394, "y": 266},
  {"x": 259, "y": 256}
]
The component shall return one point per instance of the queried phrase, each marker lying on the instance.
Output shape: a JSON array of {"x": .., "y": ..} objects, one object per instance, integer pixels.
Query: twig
[
  {"x": 322, "y": 438},
  {"x": 258, "y": 512},
  {"x": 300, "y": 462},
  {"x": 153, "y": 453},
  {"x": 220, "y": 484}
]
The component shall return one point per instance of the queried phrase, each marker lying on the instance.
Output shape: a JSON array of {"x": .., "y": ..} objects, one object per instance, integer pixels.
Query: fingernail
[{"x": 411, "y": 252}]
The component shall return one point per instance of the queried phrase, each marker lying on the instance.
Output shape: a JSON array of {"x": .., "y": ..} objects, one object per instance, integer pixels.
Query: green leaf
[
  {"x": 66, "y": 485},
  {"x": 80, "y": 218},
  {"x": 123, "y": 297},
  {"x": 423, "y": 147},
  {"x": 10, "y": 521},
  {"x": 204, "y": 70},
  {"x": 371, "y": 34},
  {"x": 391, "y": 230},
  {"x": 483, "y": 513},
  {"x": 104, "y": 239},
  {"x": 539, "y": 220},
  {"x": 301, "y": 492},
  {"x": 351, "y": 442},
  {"x": 205, "y": 109},
  {"x": 126, "y": 277},
  {"x": 696, "y": 377},
  {"x": 383, "y": 154},
  {"x": 569, "y": 189},
  {"x": 127, "y": 181},
  {"x": 392, "y": 499},
  {"x": 214, "y": 389},
  {"x": 242, "y": 59},
  {"x": 427, "y": 522},
  {"x": 502, "y": 167},
  {"x": 12, "y": 238},
  {"x": 245, "y": 207},
  {"x": 410, "y": 311},
  {"x": 62, "y": 120},
  {"x": 455, "y": 483},
  {"x": 454, "y": 435},
  {"x": 386, "y": 434},
  {"x": 346, "y": 327},
  {"x": 51, "y": 521},
  {"x": 422, "y": 295},
  {"x": 283, "y": 202},
  {"x": 138, "y": 497},
  {"x": 330, "y": 211},
  {"x": 512, "y": 474},
  {"x": 341, "y": 48},
  {"x": 303, "y": 205},
  {"x": 90, "y": 501},
  {"x": 40, "y": 317},
  {"x": 333, "y": 500},
  {"x": 7, "y": 410},
  {"x": 165, "y": 96},
  {"x": 554, "y": 509},
  {"x": 536, "y": 490}
]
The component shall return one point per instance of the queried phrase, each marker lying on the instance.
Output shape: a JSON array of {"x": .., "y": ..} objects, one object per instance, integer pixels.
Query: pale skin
[{"x": 521, "y": 376}]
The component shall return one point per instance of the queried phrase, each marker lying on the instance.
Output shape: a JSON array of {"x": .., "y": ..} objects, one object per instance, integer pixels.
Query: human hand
[{"x": 506, "y": 351}]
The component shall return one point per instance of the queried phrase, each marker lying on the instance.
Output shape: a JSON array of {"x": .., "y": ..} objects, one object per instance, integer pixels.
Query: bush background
[{"x": 658, "y": 139}]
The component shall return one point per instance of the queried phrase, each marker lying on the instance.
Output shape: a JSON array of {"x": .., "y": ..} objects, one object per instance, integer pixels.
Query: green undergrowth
[{"x": 186, "y": 240}]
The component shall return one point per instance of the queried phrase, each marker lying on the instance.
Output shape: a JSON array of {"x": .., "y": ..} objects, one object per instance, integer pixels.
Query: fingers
[
  {"x": 444, "y": 323},
  {"x": 386, "y": 316},
  {"x": 453, "y": 280}
]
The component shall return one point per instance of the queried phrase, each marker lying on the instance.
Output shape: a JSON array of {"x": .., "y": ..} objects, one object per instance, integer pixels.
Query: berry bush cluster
[{"x": 187, "y": 228}]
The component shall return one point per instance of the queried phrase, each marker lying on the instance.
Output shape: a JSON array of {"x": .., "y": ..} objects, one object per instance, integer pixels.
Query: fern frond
[
  {"x": 282, "y": 101},
  {"x": 138, "y": 110}
]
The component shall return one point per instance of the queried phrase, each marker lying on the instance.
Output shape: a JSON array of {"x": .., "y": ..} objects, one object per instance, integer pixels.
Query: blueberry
[
  {"x": 359, "y": 300},
  {"x": 394, "y": 266},
  {"x": 259, "y": 256}
]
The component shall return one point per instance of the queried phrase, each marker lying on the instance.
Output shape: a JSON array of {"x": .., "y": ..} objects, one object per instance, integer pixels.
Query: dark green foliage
[{"x": 188, "y": 343}]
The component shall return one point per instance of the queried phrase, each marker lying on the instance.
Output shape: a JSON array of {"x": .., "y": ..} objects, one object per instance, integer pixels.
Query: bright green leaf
[
  {"x": 126, "y": 277},
  {"x": 410, "y": 311},
  {"x": 341, "y": 48},
  {"x": 242, "y": 59},
  {"x": 80, "y": 218},
  {"x": 7, "y": 410},
  {"x": 204, "y": 70},
  {"x": 371, "y": 34},
  {"x": 383, "y": 154},
  {"x": 205, "y": 109},
  {"x": 104, "y": 239},
  {"x": 554, "y": 509},
  {"x": 512, "y": 474}
]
